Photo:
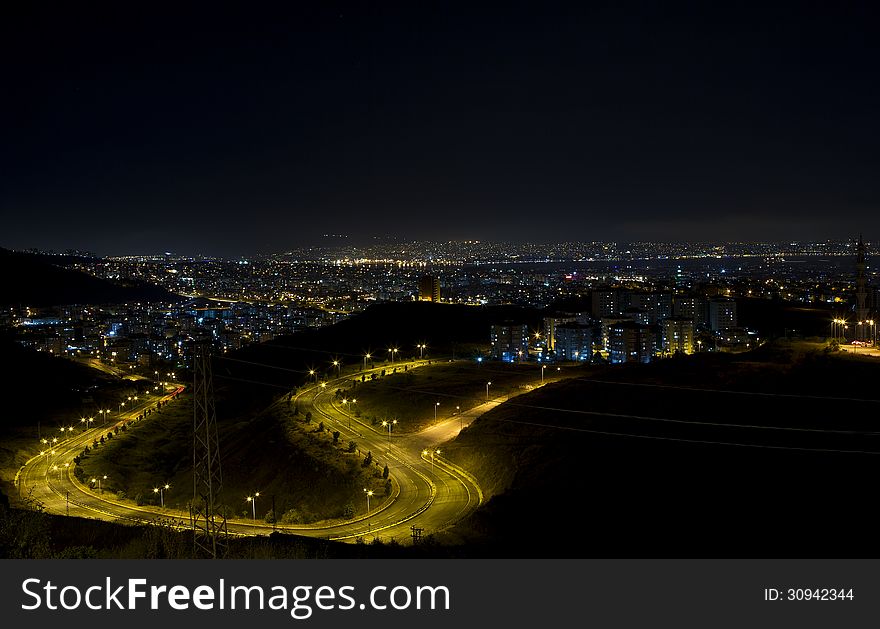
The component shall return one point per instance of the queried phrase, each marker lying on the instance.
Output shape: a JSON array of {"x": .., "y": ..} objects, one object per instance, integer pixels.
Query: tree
[
  {"x": 368, "y": 459},
  {"x": 348, "y": 511},
  {"x": 388, "y": 486},
  {"x": 335, "y": 436},
  {"x": 270, "y": 517},
  {"x": 352, "y": 446},
  {"x": 321, "y": 427},
  {"x": 385, "y": 472},
  {"x": 308, "y": 417}
]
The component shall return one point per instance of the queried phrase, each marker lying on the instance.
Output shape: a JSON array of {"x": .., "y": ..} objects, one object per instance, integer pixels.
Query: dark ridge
[{"x": 31, "y": 279}]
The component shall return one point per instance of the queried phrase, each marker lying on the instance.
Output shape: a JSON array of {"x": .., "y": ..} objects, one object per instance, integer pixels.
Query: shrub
[{"x": 291, "y": 516}]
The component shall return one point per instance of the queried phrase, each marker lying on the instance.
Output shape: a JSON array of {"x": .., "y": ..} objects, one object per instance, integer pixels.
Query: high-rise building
[
  {"x": 631, "y": 342},
  {"x": 510, "y": 341},
  {"x": 608, "y": 302},
  {"x": 722, "y": 314},
  {"x": 678, "y": 335},
  {"x": 429, "y": 288},
  {"x": 551, "y": 323},
  {"x": 691, "y": 307},
  {"x": 574, "y": 341},
  {"x": 656, "y": 305}
]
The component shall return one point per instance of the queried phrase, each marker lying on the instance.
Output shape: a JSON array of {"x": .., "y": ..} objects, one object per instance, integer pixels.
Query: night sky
[{"x": 231, "y": 132}]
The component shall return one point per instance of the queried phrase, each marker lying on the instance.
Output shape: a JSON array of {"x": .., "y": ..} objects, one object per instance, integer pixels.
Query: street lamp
[
  {"x": 393, "y": 350},
  {"x": 98, "y": 480},
  {"x": 389, "y": 425},
  {"x": 458, "y": 412},
  {"x": 338, "y": 368},
  {"x": 348, "y": 404},
  {"x": 488, "y": 384},
  {"x": 432, "y": 453},
  {"x": 435, "y": 411},
  {"x": 253, "y": 501},
  {"x": 368, "y": 492},
  {"x": 367, "y": 357},
  {"x": 543, "y": 367},
  {"x": 422, "y": 348},
  {"x": 312, "y": 373},
  {"x": 161, "y": 491}
]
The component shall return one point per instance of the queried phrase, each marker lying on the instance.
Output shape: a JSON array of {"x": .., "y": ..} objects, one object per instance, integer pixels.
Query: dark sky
[{"x": 234, "y": 131}]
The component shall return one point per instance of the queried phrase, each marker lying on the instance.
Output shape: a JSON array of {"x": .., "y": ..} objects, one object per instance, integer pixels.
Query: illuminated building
[
  {"x": 678, "y": 335},
  {"x": 510, "y": 341},
  {"x": 722, "y": 314},
  {"x": 631, "y": 342},
  {"x": 574, "y": 341},
  {"x": 429, "y": 288}
]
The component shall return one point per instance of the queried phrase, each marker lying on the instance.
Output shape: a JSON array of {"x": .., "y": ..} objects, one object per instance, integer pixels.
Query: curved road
[{"x": 430, "y": 493}]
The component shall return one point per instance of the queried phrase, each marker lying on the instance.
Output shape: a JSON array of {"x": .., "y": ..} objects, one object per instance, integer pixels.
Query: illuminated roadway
[{"x": 429, "y": 494}]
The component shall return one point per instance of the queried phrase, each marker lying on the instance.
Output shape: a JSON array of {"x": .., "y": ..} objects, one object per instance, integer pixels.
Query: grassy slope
[
  {"x": 410, "y": 397},
  {"x": 569, "y": 493},
  {"x": 272, "y": 452}
]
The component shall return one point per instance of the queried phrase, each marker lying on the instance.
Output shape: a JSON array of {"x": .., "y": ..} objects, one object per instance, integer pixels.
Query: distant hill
[
  {"x": 36, "y": 385},
  {"x": 447, "y": 329},
  {"x": 32, "y": 280}
]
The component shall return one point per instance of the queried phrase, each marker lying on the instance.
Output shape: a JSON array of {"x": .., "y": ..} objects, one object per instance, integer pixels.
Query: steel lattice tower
[
  {"x": 208, "y": 520},
  {"x": 861, "y": 292}
]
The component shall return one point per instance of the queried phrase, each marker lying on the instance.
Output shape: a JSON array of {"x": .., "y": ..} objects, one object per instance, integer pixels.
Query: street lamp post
[
  {"x": 338, "y": 368},
  {"x": 389, "y": 425},
  {"x": 435, "y": 411},
  {"x": 98, "y": 480},
  {"x": 543, "y": 367},
  {"x": 488, "y": 384},
  {"x": 366, "y": 358},
  {"x": 161, "y": 491},
  {"x": 253, "y": 501},
  {"x": 369, "y": 493},
  {"x": 458, "y": 412},
  {"x": 432, "y": 453}
]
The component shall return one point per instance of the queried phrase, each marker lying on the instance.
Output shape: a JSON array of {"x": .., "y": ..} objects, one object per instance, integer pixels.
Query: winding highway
[{"x": 429, "y": 492}]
